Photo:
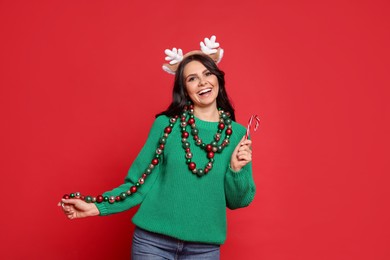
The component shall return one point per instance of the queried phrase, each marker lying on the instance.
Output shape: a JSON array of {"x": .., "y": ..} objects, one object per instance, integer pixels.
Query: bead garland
[
  {"x": 211, "y": 149},
  {"x": 133, "y": 189}
]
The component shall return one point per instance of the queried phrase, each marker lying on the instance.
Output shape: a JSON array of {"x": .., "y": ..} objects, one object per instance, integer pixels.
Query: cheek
[
  {"x": 190, "y": 88},
  {"x": 214, "y": 81}
]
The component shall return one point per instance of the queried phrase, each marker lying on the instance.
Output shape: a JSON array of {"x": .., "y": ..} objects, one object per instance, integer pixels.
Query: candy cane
[{"x": 257, "y": 122}]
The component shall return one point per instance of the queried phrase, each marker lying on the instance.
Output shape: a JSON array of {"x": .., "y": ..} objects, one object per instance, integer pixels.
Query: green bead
[
  {"x": 183, "y": 129},
  {"x": 214, "y": 144},
  {"x": 188, "y": 160},
  {"x": 137, "y": 184},
  {"x": 228, "y": 121},
  {"x": 106, "y": 198},
  {"x": 224, "y": 116},
  {"x": 88, "y": 199},
  {"x": 228, "y": 136},
  {"x": 163, "y": 140},
  {"x": 157, "y": 155},
  {"x": 171, "y": 125},
  {"x": 186, "y": 145},
  {"x": 194, "y": 131},
  {"x": 203, "y": 145},
  {"x": 200, "y": 172},
  {"x": 148, "y": 171},
  {"x": 220, "y": 148},
  {"x": 191, "y": 116},
  {"x": 123, "y": 195},
  {"x": 72, "y": 195},
  {"x": 212, "y": 160},
  {"x": 219, "y": 131}
]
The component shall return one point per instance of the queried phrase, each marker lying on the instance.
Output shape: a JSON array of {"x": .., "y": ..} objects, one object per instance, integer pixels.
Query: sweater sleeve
[
  {"x": 138, "y": 167},
  {"x": 240, "y": 187}
]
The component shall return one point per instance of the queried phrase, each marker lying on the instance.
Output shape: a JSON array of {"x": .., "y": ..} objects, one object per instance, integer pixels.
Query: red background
[{"x": 81, "y": 82}]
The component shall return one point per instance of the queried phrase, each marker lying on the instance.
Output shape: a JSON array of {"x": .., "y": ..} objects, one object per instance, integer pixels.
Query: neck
[{"x": 209, "y": 113}]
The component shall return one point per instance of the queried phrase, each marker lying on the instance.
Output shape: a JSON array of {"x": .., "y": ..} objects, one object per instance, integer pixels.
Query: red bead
[
  {"x": 99, "y": 199},
  {"x": 221, "y": 126},
  {"x": 133, "y": 189},
  {"x": 183, "y": 118},
  {"x": 162, "y": 146},
  {"x": 191, "y": 121},
  {"x": 66, "y": 196},
  {"x": 144, "y": 175},
  {"x": 185, "y": 135},
  {"x": 155, "y": 161},
  {"x": 209, "y": 148},
  {"x": 191, "y": 166},
  {"x": 206, "y": 170},
  {"x": 117, "y": 198},
  {"x": 196, "y": 137},
  {"x": 167, "y": 130},
  {"x": 210, "y": 155},
  {"x": 229, "y": 131},
  {"x": 82, "y": 197},
  {"x": 188, "y": 150}
]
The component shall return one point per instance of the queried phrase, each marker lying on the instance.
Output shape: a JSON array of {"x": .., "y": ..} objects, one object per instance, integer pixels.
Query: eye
[
  {"x": 208, "y": 73},
  {"x": 191, "y": 78}
]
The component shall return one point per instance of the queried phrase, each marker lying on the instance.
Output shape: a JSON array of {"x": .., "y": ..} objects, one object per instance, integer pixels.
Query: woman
[{"x": 195, "y": 162}]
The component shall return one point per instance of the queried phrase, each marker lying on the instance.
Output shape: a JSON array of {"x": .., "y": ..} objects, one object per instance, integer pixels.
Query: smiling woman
[
  {"x": 201, "y": 85},
  {"x": 174, "y": 215}
]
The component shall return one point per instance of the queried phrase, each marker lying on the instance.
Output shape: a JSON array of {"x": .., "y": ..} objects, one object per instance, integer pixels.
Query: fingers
[
  {"x": 242, "y": 154},
  {"x": 244, "y": 151},
  {"x": 70, "y": 201},
  {"x": 68, "y": 208},
  {"x": 246, "y": 142},
  {"x": 71, "y": 215}
]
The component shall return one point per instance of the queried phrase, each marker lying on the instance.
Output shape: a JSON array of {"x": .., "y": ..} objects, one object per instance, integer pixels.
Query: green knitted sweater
[{"x": 175, "y": 202}]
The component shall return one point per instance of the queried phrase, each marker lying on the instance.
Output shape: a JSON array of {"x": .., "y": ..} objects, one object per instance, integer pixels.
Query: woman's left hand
[{"x": 242, "y": 155}]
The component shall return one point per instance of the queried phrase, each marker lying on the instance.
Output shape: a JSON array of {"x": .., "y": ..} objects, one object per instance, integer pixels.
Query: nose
[{"x": 202, "y": 81}]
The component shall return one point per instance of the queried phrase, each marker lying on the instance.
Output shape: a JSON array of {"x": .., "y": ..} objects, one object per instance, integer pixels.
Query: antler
[
  {"x": 209, "y": 46},
  {"x": 174, "y": 56}
]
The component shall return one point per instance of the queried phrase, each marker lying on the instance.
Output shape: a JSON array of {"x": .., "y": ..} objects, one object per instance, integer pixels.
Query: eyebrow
[{"x": 194, "y": 74}]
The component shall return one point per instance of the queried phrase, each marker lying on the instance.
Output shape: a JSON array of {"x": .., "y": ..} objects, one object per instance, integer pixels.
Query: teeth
[{"x": 204, "y": 91}]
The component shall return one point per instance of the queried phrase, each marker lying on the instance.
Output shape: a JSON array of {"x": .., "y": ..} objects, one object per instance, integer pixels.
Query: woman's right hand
[{"x": 76, "y": 208}]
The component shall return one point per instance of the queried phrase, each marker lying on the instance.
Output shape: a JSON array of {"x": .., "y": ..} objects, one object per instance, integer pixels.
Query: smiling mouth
[{"x": 204, "y": 91}]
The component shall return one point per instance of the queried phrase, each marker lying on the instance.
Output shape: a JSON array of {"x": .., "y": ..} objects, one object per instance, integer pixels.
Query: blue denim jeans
[{"x": 152, "y": 246}]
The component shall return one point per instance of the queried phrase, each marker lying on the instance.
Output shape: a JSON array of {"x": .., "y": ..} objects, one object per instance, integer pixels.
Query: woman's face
[{"x": 201, "y": 85}]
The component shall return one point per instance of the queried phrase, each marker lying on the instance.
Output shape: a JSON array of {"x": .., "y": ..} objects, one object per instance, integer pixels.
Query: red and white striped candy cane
[{"x": 257, "y": 122}]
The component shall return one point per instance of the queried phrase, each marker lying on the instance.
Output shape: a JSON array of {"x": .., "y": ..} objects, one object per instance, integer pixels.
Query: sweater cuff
[{"x": 103, "y": 211}]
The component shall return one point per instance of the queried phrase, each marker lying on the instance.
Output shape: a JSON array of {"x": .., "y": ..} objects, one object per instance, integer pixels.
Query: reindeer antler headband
[{"x": 209, "y": 47}]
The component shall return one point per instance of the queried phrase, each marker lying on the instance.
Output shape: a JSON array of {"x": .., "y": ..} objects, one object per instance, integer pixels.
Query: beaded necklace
[
  {"x": 187, "y": 120},
  {"x": 211, "y": 148}
]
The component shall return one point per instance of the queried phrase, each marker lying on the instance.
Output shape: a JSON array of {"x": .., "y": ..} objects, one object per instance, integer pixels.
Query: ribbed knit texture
[{"x": 180, "y": 204}]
